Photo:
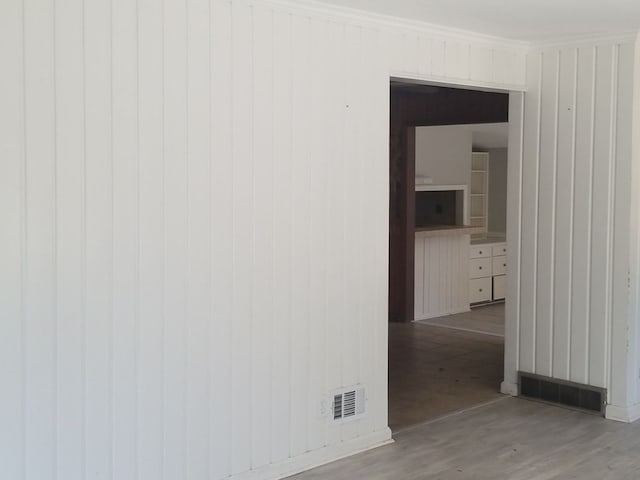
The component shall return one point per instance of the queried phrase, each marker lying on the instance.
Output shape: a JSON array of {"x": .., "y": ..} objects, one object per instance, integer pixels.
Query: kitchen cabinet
[{"x": 487, "y": 272}]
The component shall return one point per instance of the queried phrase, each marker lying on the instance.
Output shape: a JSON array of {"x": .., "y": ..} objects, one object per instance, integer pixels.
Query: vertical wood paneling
[
  {"x": 99, "y": 238},
  {"x": 12, "y": 194},
  {"x": 581, "y": 241},
  {"x": 283, "y": 168},
  {"x": 364, "y": 88},
  {"x": 263, "y": 236},
  {"x": 546, "y": 214},
  {"x": 514, "y": 241},
  {"x": 40, "y": 321},
  {"x": 199, "y": 327},
  {"x": 599, "y": 293},
  {"x": 243, "y": 235},
  {"x": 176, "y": 168},
  {"x": 70, "y": 150},
  {"x": 349, "y": 104},
  {"x": 300, "y": 235},
  {"x": 564, "y": 207},
  {"x": 318, "y": 105},
  {"x": 528, "y": 254},
  {"x": 338, "y": 284},
  {"x": 222, "y": 241},
  {"x": 622, "y": 362},
  {"x": 151, "y": 240},
  {"x": 202, "y": 235},
  {"x": 442, "y": 275},
  {"x": 125, "y": 239}
]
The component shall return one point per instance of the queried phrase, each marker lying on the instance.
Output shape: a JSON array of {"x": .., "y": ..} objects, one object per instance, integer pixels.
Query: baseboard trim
[
  {"x": 317, "y": 458},
  {"x": 427, "y": 316},
  {"x": 509, "y": 388},
  {"x": 619, "y": 413}
]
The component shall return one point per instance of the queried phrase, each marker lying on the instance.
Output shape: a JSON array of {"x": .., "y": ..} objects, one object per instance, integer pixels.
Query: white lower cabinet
[
  {"x": 487, "y": 272},
  {"x": 480, "y": 290},
  {"x": 499, "y": 287}
]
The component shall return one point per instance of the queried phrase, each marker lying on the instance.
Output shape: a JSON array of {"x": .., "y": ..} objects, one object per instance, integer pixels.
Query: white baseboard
[
  {"x": 427, "y": 316},
  {"x": 316, "y": 458},
  {"x": 509, "y": 388},
  {"x": 626, "y": 414}
]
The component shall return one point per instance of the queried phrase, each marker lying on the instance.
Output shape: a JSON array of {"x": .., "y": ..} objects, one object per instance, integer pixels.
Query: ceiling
[{"x": 526, "y": 20}]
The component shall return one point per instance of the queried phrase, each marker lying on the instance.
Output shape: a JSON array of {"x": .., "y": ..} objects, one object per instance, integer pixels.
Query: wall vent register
[
  {"x": 348, "y": 404},
  {"x": 575, "y": 395}
]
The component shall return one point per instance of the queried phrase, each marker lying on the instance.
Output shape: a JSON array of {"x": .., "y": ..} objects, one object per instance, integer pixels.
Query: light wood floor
[
  {"x": 511, "y": 438},
  {"x": 434, "y": 371}
]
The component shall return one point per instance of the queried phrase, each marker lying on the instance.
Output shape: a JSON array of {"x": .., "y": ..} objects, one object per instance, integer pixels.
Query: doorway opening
[{"x": 443, "y": 356}]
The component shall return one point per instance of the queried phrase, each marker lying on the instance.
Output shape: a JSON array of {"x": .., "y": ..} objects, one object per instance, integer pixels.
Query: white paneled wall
[
  {"x": 441, "y": 275},
  {"x": 573, "y": 217},
  {"x": 193, "y": 251}
]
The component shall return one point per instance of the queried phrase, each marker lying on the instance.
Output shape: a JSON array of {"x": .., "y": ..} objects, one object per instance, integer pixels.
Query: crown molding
[
  {"x": 365, "y": 18},
  {"x": 582, "y": 40}
]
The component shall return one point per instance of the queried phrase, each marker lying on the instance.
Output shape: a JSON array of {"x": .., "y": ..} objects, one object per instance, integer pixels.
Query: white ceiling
[{"x": 527, "y": 20}]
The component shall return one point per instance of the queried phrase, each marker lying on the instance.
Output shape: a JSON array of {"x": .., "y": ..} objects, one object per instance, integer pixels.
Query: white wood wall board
[
  {"x": 317, "y": 215},
  {"x": 338, "y": 282},
  {"x": 545, "y": 255},
  {"x": 243, "y": 233},
  {"x": 221, "y": 192},
  {"x": 355, "y": 194},
  {"x": 300, "y": 235},
  {"x": 151, "y": 240},
  {"x": 424, "y": 55},
  {"x": 199, "y": 247},
  {"x": 438, "y": 59},
  {"x": 125, "y": 239},
  {"x": 581, "y": 247},
  {"x": 564, "y": 208},
  {"x": 441, "y": 277},
  {"x": 621, "y": 361},
  {"x": 480, "y": 63},
  {"x": 283, "y": 219},
  {"x": 529, "y": 213},
  {"x": 600, "y": 289},
  {"x": 263, "y": 235},
  {"x": 176, "y": 168},
  {"x": 514, "y": 239},
  {"x": 457, "y": 60},
  {"x": 70, "y": 235},
  {"x": 181, "y": 99},
  {"x": 12, "y": 212},
  {"x": 334, "y": 236},
  {"x": 40, "y": 322}
]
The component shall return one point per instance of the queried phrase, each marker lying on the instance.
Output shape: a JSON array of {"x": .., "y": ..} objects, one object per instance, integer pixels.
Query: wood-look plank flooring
[
  {"x": 488, "y": 319},
  {"x": 434, "y": 371},
  {"x": 510, "y": 438}
]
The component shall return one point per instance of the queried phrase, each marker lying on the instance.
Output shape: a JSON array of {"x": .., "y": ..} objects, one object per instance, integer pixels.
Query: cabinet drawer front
[
  {"x": 480, "y": 290},
  {"x": 499, "y": 266},
  {"x": 499, "y": 250},
  {"x": 499, "y": 287},
  {"x": 479, "y": 251},
  {"x": 479, "y": 267}
]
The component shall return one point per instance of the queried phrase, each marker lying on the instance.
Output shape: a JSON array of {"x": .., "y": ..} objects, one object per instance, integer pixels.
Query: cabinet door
[
  {"x": 479, "y": 267},
  {"x": 499, "y": 287},
  {"x": 499, "y": 265},
  {"x": 480, "y": 290}
]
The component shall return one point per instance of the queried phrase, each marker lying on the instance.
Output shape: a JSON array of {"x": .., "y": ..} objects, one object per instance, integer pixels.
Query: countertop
[
  {"x": 444, "y": 230},
  {"x": 489, "y": 239}
]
